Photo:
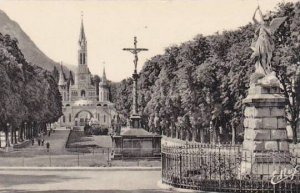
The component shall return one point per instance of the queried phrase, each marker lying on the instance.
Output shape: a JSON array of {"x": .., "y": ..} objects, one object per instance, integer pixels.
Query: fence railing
[
  {"x": 136, "y": 153},
  {"x": 218, "y": 168}
]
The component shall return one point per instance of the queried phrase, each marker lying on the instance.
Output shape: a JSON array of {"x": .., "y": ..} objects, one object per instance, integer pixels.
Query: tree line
[
  {"x": 29, "y": 96},
  {"x": 194, "y": 91}
]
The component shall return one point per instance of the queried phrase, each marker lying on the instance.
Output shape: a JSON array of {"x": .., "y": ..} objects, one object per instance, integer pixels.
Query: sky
[{"x": 110, "y": 26}]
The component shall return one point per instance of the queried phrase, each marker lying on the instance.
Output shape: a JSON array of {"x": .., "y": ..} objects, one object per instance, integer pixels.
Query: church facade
[{"x": 81, "y": 103}]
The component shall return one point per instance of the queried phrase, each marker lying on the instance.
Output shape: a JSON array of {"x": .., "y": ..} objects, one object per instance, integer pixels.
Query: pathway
[
  {"x": 89, "y": 181},
  {"x": 57, "y": 142},
  {"x": 35, "y": 155}
]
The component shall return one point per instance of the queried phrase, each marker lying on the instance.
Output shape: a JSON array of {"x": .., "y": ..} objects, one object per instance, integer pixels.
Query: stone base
[
  {"x": 135, "y": 121},
  {"x": 263, "y": 170},
  {"x": 265, "y": 146},
  {"x": 266, "y": 157},
  {"x": 136, "y": 143}
]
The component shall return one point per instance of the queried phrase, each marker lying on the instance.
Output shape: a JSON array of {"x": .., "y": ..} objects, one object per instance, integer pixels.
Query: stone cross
[{"x": 135, "y": 52}]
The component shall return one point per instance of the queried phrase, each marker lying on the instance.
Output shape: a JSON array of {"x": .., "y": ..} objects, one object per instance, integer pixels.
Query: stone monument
[
  {"x": 134, "y": 141},
  {"x": 265, "y": 149}
]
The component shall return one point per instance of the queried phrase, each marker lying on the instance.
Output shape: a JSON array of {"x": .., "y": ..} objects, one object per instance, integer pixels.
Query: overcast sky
[{"x": 110, "y": 25}]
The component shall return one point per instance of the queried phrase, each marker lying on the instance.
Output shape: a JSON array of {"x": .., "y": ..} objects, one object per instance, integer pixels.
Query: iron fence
[{"x": 219, "y": 168}]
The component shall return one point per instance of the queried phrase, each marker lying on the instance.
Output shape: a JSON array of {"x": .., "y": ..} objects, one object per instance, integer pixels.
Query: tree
[
  {"x": 205, "y": 80},
  {"x": 55, "y": 74},
  {"x": 24, "y": 93}
]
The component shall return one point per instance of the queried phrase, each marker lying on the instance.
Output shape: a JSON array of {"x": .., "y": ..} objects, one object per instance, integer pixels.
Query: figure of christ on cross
[{"x": 135, "y": 51}]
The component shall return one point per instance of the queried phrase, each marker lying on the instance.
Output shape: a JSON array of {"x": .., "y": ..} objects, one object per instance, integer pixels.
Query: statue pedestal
[
  {"x": 135, "y": 121},
  {"x": 135, "y": 142},
  {"x": 265, "y": 147}
]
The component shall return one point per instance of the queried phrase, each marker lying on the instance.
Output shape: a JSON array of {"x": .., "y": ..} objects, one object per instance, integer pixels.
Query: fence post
[
  {"x": 180, "y": 165},
  {"x": 107, "y": 157},
  {"x": 162, "y": 164},
  {"x": 220, "y": 167},
  {"x": 77, "y": 158},
  {"x": 49, "y": 158}
]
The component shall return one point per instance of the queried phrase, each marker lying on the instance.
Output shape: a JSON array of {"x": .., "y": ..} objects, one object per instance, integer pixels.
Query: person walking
[{"x": 48, "y": 146}]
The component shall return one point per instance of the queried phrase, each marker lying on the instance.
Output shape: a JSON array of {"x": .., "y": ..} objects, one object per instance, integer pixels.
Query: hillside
[{"x": 31, "y": 52}]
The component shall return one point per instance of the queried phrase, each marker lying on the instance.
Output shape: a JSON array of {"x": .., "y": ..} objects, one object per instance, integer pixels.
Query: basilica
[{"x": 81, "y": 103}]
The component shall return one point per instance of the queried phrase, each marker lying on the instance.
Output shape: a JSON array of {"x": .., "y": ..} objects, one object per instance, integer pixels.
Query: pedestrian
[
  {"x": 49, "y": 132},
  {"x": 43, "y": 142},
  {"x": 48, "y": 146},
  {"x": 32, "y": 141},
  {"x": 39, "y": 141}
]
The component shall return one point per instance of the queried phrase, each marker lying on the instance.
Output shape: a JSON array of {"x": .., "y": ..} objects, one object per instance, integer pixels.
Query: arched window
[
  {"x": 80, "y": 59},
  {"x": 83, "y": 93},
  {"x": 83, "y": 58},
  {"x": 70, "y": 117}
]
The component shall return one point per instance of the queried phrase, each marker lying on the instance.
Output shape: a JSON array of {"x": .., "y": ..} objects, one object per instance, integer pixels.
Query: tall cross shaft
[{"x": 135, "y": 76}]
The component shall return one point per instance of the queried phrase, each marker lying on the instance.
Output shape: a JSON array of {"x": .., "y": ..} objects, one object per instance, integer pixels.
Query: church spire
[
  {"x": 104, "y": 80},
  {"x": 61, "y": 80},
  {"x": 82, "y": 52},
  {"x": 82, "y": 38},
  {"x": 103, "y": 89}
]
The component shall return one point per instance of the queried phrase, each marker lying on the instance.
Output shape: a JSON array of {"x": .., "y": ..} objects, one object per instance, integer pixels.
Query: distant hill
[{"x": 31, "y": 52}]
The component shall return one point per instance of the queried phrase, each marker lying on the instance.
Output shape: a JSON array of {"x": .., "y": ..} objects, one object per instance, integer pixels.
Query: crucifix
[
  {"x": 135, "y": 51},
  {"x": 135, "y": 118}
]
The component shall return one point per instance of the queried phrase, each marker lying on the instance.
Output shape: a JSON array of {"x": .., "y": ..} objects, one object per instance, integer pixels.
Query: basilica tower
[
  {"x": 103, "y": 89},
  {"x": 62, "y": 85},
  {"x": 83, "y": 76},
  {"x": 81, "y": 103},
  {"x": 82, "y": 52}
]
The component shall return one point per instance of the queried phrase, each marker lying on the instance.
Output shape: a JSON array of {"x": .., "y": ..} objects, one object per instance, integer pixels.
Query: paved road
[{"x": 75, "y": 181}]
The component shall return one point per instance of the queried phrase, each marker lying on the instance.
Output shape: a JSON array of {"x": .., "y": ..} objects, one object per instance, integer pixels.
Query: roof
[
  {"x": 82, "y": 34},
  {"x": 61, "y": 80}
]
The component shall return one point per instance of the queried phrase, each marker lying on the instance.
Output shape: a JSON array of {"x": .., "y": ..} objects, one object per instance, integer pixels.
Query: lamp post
[
  {"x": 25, "y": 130},
  {"x": 6, "y": 137},
  {"x": 32, "y": 129}
]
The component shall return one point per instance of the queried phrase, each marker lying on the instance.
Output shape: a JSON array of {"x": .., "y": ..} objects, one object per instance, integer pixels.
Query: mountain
[{"x": 30, "y": 50}]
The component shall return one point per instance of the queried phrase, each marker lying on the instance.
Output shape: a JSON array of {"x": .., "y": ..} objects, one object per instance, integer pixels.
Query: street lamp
[
  {"x": 6, "y": 136},
  {"x": 25, "y": 130},
  {"x": 32, "y": 130}
]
